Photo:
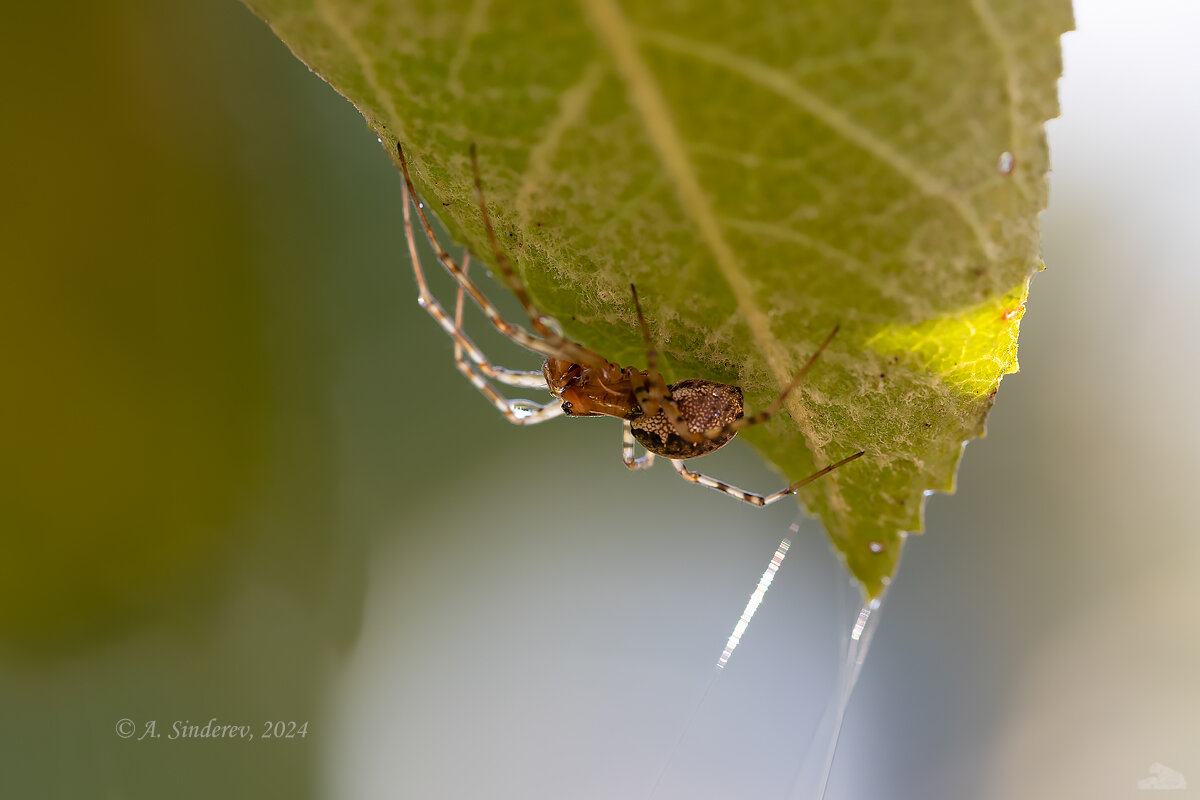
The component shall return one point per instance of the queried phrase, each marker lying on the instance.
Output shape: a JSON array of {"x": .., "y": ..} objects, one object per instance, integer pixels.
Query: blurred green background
[{"x": 241, "y": 478}]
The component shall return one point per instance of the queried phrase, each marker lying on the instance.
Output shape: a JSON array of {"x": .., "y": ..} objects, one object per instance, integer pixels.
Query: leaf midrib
[{"x": 615, "y": 35}]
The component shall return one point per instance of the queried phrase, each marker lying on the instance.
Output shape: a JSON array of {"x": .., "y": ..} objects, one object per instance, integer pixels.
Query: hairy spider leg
[
  {"x": 770, "y": 411},
  {"x": 516, "y": 412},
  {"x": 565, "y": 348},
  {"x": 552, "y": 346},
  {"x": 502, "y": 262},
  {"x": 528, "y": 379},
  {"x": 627, "y": 452},
  {"x": 531, "y": 413},
  {"x": 651, "y": 390},
  {"x": 750, "y": 497}
]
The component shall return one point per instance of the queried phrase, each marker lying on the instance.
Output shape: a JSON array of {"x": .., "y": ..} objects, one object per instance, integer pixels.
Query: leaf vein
[
  {"x": 475, "y": 24},
  {"x": 615, "y": 34},
  {"x": 572, "y": 107},
  {"x": 328, "y": 11},
  {"x": 782, "y": 84}
]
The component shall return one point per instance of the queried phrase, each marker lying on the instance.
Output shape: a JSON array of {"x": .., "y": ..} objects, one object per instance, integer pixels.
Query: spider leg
[
  {"x": 767, "y": 413},
  {"x": 771, "y": 410},
  {"x": 652, "y": 392},
  {"x": 751, "y": 497},
  {"x": 526, "y": 379},
  {"x": 552, "y": 346},
  {"x": 627, "y": 451},
  {"x": 451, "y": 326},
  {"x": 518, "y": 412},
  {"x": 535, "y": 319}
]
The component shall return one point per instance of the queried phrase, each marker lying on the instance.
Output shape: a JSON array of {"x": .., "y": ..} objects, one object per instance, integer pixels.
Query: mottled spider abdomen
[{"x": 704, "y": 405}]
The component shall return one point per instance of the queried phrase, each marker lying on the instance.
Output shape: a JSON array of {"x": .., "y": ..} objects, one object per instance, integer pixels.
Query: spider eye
[{"x": 566, "y": 407}]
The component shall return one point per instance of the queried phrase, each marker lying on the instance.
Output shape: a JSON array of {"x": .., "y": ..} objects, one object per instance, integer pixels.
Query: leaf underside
[{"x": 761, "y": 175}]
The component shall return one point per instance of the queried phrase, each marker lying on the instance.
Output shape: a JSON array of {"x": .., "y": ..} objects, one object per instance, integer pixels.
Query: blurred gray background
[{"x": 243, "y": 480}]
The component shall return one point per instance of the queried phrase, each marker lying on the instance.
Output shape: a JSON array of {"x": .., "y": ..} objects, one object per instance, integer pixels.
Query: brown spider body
[
  {"x": 588, "y": 390},
  {"x": 682, "y": 420},
  {"x": 612, "y": 391}
]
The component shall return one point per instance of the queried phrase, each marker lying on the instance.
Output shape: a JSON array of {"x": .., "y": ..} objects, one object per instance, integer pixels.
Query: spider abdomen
[{"x": 704, "y": 405}]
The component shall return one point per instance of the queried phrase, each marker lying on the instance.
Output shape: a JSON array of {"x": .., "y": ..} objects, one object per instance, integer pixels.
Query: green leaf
[{"x": 762, "y": 173}]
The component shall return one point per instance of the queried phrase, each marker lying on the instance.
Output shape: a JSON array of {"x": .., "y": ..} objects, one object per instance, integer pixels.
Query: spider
[{"x": 683, "y": 420}]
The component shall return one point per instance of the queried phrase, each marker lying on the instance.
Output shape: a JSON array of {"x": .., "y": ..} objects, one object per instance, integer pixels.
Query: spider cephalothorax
[
  {"x": 592, "y": 390},
  {"x": 685, "y": 419}
]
